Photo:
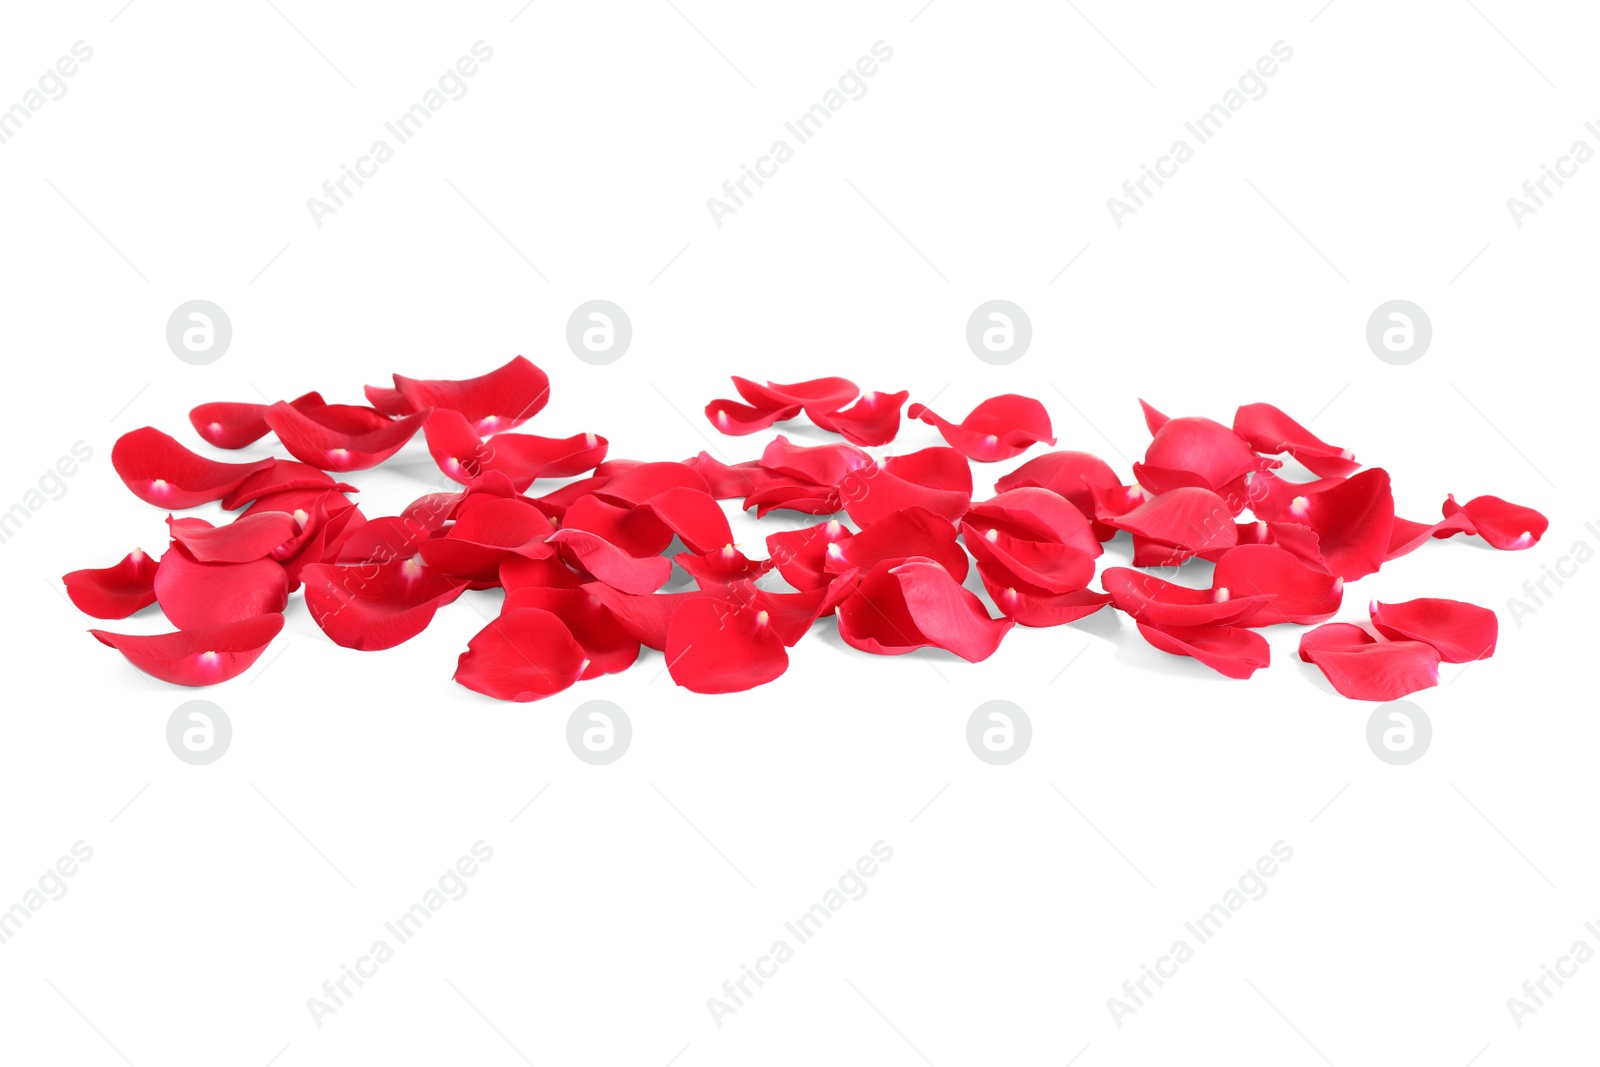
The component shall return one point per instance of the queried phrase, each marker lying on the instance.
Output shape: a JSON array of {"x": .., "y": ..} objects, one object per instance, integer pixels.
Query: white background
[{"x": 977, "y": 166}]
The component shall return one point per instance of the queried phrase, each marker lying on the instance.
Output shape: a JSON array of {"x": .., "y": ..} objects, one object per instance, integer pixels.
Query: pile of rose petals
[{"x": 899, "y": 547}]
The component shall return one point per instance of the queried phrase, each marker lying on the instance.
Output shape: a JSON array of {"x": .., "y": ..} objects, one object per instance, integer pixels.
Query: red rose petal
[
  {"x": 1293, "y": 591},
  {"x": 893, "y": 538},
  {"x": 1353, "y": 522},
  {"x": 1501, "y": 523},
  {"x": 644, "y": 615},
  {"x": 644, "y": 480},
  {"x": 1229, "y": 650},
  {"x": 1170, "y": 606},
  {"x": 999, "y": 428},
  {"x": 1460, "y": 631},
  {"x": 1267, "y": 429},
  {"x": 820, "y": 394},
  {"x": 520, "y": 572},
  {"x": 1268, "y": 495},
  {"x": 1408, "y": 536},
  {"x": 608, "y": 648},
  {"x": 872, "y": 420},
  {"x": 1197, "y": 452},
  {"x": 525, "y": 654},
  {"x": 114, "y": 592},
  {"x": 522, "y": 458},
  {"x": 376, "y": 605},
  {"x": 203, "y": 656},
  {"x": 725, "y": 481},
  {"x": 1073, "y": 475},
  {"x": 500, "y": 400},
  {"x": 234, "y": 425},
  {"x": 916, "y": 604},
  {"x": 1031, "y": 606},
  {"x": 717, "y": 647},
  {"x": 485, "y": 532},
  {"x": 692, "y": 514},
  {"x": 801, "y": 555},
  {"x": 611, "y": 565},
  {"x": 321, "y": 445},
  {"x": 635, "y": 530},
  {"x": 726, "y": 564},
  {"x": 1153, "y": 418},
  {"x": 938, "y": 479},
  {"x": 197, "y": 595},
  {"x": 1190, "y": 519},
  {"x": 160, "y": 471},
  {"x": 737, "y": 420},
  {"x": 283, "y": 476},
  {"x": 1361, "y": 667},
  {"x": 249, "y": 537},
  {"x": 824, "y": 465}
]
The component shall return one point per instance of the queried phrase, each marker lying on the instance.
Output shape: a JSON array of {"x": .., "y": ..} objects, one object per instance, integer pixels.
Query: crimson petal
[
  {"x": 1353, "y": 522},
  {"x": 937, "y": 478},
  {"x": 197, "y": 595},
  {"x": 1501, "y": 523},
  {"x": 1267, "y": 429},
  {"x": 1073, "y": 475},
  {"x": 1190, "y": 519},
  {"x": 608, "y": 648},
  {"x": 117, "y": 591},
  {"x": 162, "y": 472},
  {"x": 611, "y": 565},
  {"x": 525, "y": 654},
  {"x": 1193, "y": 451},
  {"x": 337, "y": 449},
  {"x": 1229, "y": 650},
  {"x": 714, "y": 646},
  {"x": 915, "y": 604},
  {"x": 1460, "y": 631},
  {"x": 872, "y": 420},
  {"x": 376, "y": 605},
  {"x": 914, "y": 531},
  {"x": 249, "y": 537},
  {"x": 999, "y": 428},
  {"x": 202, "y": 656},
  {"x": 1293, "y": 591},
  {"x": 1170, "y": 606},
  {"x": 1361, "y": 667},
  {"x": 500, "y": 400},
  {"x": 234, "y": 425}
]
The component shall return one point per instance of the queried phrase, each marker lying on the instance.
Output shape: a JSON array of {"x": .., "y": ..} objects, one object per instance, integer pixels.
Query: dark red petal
[
  {"x": 505, "y": 397},
  {"x": 1267, "y": 429},
  {"x": 234, "y": 425},
  {"x": 162, "y": 472},
  {"x": 249, "y": 537},
  {"x": 197, "y": 657},
  {"x": 525, "y": 654},
  {"x": 938, "y": 479},
  {"x": 895, "y": 537},
  {"x": 718, "y": 647},
  {"x": 824, "y": 465},
  {"x": 1190, "y": 519},
  {"x": 1499, "y": 522},
  {"x": 637, "y": 531},
  {"x": 114, "y": 592},
  {"x": 737, "y": 420},
  {"x": 1361, "y": 667},
  {"x": 694, "y": 515},
  {"x": 607, "y": 646},
  {"x": 1353, "y": 522},
  {"x": 999, "y": 428},
  {"x": 376, "y": 605},
  {"x": 610, "y": 564},
  {"x": 197, "y": 595},
  {"x": 1073, "y": 475},
  {"x": 643, "y": 481},
  {"x": 333, "y": 449},
  {"x": 801, "y": 555},
  {"x": 1229, "y": 650},
  {"x": 1460, "y": 631},
  {"x": 1165, "y": 604},
  {"x": 1294, "y": 591},
  {"x": 1194, "y": 452},
  {"x": 913, "y": 605},
  {"x": 872, "y": 420}
]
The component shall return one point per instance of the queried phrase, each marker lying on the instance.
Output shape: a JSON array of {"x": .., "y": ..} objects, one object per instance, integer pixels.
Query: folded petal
[
  {"x": 1267, "y": 429},
  {"x": 1353, "y": 522},
  {"x": 1460, "y": 631},
  {"x": 737, "y": 420},
  {"x": 872, "y": 420},
  {"x": 117, "y": 591},
  {"x": 825, "y": 465},
  {"x": 1361, "y": 667},
  {"x": 1170, "y": 606},
  {"x": 642, "y": 481},
  {"x": 714, "y": 646},
  {"x": 500, "y": 400},
  {"x": 608, "y": 647},
  {"x": 1292, "y": 591},
  {"x": 610, "y": 564},
  {"x": 801, "y": 556},
  {"x": 999, "y": 428},
  {"x": 1190, "y": 519},
  {"x": 197, "y": 595},
  {"x": 203, "y": 656},
  {"x": 1193, "y": 451},
  {"x": 916, "y": 604},
  {"x": 1503, "y": 524},
  {"x": 638, "y": 531},
  {"x": 234, "y": 425},
  {"x": 462, "y": 456},
  {"x": 282, "y": 476},
  {"x": 694, "y": 515},
  {"x": 938, "y": 479},
  {"x": 162, "y": 472},
  {"x": 644, "y": 615},
  {"x": 1229, "y": 650},
  {"x": 525, "y": 654},
  {"x": 820, "y": 394},
  {"x": 897, "y": 536},
  {"x": 376, "y": 605},
  {"x": 1073, "y": 475},
  {"x": 249, "y": 537},
  {"x": 313, "y": 438},
  {"x": 1031, "y": 606}
]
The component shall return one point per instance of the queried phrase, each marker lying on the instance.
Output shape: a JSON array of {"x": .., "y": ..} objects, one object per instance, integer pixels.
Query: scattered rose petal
[
  {"x": 1361, "y": 667},
  {"x": 525, "y": 654},
  {"x": 1460, "y": 631},
  {"x": 1229, "y": 650},
  {"x": 999, "y": 428},
  {"x": 162, "y": 472},
  {"x": 117, "y": 591},
  {"x": 196, "y": 657}
]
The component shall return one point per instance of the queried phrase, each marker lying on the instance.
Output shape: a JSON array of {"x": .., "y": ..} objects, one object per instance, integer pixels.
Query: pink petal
[
  {"x": 1361, "y": 667},
  {"x": 1229, "y": 650},
  {"x": 999, "y": 428},
  {"x": 1460, "y": 631}
]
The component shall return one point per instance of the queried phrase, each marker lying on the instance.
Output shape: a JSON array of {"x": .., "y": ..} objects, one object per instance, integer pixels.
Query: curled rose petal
[
  {"x": 608, "y": 648},
  {"x": 247, "y": 538},
  {"x": 1268, "y": 495},
  {"x": 234, "y": 425},
  {"x": 714, "y": 646},
  {"x": 895, "y": 537},
  {"x": 801, "y": 556},
  {"x": 311, "y": 439},
  {"x": 485, "y": 533},
  {"x": 500, "y": 400},
  {"x": 1190, "y": 519},
  {"x": 937, "y": 478},
  {"x": 639, "y": 483},
  {"x": 1408, "y": 536},
  {"x": 1501, "y": 523},
  {"x": 726, "y": 564},
  {"x": 202, "y": 656},
  {"x": 1073, "y": 475},
  {"x": 525, "y": 654},
  {"x": 160, "y": 471},
  {"x": 1361, "y": 667},
  {"x": 916, "y": 604},
  {"x": 1170, "y": 606},
  {"x": 1292, "y": 591},
  {"x": 1153, "y": 418},
  {"x": 638, "y": 531},
  {"x": 1193, "y": 451},
  {"x": 197, "y": 595},
  {"x": 826, "y": 465},
  {"x": 692, "y": 514},
  {"x": 737, "y": 420},
  {"x": 376, "y": 605},
  {"x": 117, "y": 591},
  {"x": 1032, "y": 606},
  {"x": 872, "y": 420},
  {"x": 819, "y": 394},
  {"x": 463, "y": 457},
  {"x": 644, "y": 615},
  {"x": 1460, "y": 631},
  {"x": 610, "y": 564},
  {"x": 283, "y": 476},
  {"x": 725, "y": 481},
  {"x": 520, "y": 572},
  {"x": 1353, "y": 522},
  {"x": 1229, "y": 650},
  {"x": 1267, "y": 429},
  {"x": 999, "y": 428}
]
